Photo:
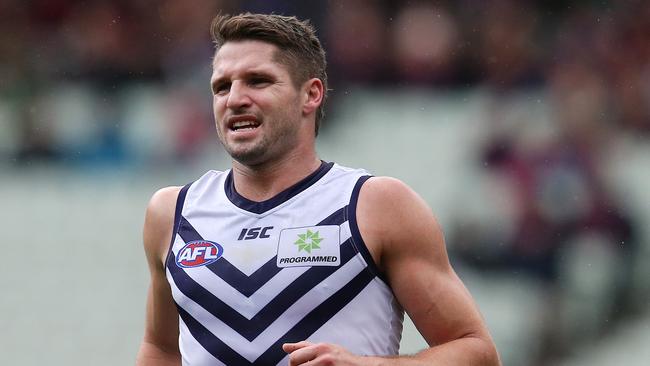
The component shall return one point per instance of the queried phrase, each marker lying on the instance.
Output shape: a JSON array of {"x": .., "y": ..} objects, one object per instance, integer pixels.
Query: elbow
[
  {"x": 489, "y": 354},
  {"x": 483, "y": 351}
]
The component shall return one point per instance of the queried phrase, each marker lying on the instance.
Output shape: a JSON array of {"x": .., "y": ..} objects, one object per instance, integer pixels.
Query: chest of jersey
[{"x": 245, "y": 282}]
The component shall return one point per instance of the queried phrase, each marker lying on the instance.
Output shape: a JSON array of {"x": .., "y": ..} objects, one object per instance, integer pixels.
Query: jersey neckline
[{"x": 280, "y": 198}]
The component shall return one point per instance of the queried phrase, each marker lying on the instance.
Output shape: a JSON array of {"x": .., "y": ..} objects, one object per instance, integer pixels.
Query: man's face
[{"x": 256, "y": 106}]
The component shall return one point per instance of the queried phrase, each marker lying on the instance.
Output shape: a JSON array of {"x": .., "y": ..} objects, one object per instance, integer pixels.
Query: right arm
[{"x": 160, "y": 343}]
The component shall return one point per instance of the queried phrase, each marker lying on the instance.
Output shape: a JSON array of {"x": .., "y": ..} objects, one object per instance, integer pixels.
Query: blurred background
[{"x": 524, "y": 124}]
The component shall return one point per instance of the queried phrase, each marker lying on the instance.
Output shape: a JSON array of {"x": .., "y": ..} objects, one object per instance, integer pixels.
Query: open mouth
[{"x": 243, "y": 123}]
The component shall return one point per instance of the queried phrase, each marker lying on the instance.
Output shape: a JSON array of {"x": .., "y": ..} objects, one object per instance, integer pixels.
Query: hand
[{"x": 319, "y": 354}]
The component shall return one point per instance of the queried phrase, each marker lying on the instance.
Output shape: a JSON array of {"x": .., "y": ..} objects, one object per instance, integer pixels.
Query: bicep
[{"x": 435, "y": 298}]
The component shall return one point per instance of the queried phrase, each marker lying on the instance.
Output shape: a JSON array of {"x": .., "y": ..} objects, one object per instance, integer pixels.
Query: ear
[{"x": 313, "y": 94}]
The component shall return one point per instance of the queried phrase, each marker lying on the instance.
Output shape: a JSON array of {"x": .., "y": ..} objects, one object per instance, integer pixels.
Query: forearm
[
  {"x": 152, "y": 355},
  {"x": 464, "y": 351}
]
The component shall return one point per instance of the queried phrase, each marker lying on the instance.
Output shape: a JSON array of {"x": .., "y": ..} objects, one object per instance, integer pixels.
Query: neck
[{"x": 264, "y": 181}]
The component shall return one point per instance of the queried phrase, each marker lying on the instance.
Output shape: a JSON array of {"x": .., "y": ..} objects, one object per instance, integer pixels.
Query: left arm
[{"x": 407, "y": 243}]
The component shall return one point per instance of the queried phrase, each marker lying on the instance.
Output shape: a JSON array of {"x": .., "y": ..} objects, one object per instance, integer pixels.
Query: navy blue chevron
[
  {"x": 317, "y": 317},
  {"x": 210, "y": 342},
  {"x": 246, "y": 285},
  {"x": 301, "y": 331},
  {"x": 250, "y": 329}
]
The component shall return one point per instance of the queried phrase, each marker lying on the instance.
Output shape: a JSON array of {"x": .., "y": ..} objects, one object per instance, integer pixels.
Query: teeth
[{"x": 244, "y": 124}]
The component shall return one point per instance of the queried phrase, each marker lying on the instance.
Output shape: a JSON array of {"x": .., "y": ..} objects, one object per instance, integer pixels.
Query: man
[{"x": 286, "y": 259}]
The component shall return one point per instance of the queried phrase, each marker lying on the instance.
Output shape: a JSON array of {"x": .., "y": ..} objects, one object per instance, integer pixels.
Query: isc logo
[
  {"x": 254, "y": 233},
  {"x": 199, "y": 253}
]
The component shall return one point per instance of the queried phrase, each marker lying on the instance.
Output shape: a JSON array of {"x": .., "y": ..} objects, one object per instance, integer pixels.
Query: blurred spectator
[
  {"x": 558, "y": 195},
  {"x": 186, "y": 48},
  {"x": 507, "y": 50},
  {"x": 425, "y": 39},
  {"x": 356, "y": 41}
]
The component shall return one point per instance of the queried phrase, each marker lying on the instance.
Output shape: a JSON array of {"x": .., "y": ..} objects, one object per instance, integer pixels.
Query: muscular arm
[
  {"x": 413, "y": 255},
  {"x": 407, "y": 243},
  {"x": 160, "y": 343}
]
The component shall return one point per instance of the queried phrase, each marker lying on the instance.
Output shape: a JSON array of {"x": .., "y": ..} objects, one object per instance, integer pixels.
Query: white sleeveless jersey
[{"x": 249, "y": 276}]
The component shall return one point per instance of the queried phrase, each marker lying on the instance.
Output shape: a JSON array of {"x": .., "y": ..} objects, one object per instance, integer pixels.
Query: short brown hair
[{"x": 300, "y": 49}]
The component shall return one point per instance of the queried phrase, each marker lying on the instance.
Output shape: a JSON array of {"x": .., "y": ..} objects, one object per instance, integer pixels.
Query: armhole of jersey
[
  {"x": 357, "y": 240},
  {"x": 180, "y": 201}
]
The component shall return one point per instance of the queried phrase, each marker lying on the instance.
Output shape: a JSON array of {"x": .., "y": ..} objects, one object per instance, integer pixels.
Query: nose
[{"x": 238, "y": 96}]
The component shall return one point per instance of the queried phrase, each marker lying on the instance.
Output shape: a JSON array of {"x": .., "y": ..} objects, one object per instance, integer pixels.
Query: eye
[
  {"x": 220, "y": 88},
  {"x": 259, "y": 81}
]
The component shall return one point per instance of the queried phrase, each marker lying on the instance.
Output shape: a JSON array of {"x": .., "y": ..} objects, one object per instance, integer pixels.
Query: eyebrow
[
  {"x": 246, "y": 75},
  {"x": 260, "y": 74}
]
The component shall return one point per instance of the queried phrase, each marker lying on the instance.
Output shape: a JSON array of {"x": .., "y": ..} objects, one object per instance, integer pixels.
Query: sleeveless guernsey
[{"x": 249, "y": 276}]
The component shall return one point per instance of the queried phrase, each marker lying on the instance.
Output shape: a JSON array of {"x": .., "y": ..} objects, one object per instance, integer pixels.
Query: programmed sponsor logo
[
  {"x": 309, "y": 246},
  {"x": 309, "y": 260},
  {"x": 199, "y": 253}
]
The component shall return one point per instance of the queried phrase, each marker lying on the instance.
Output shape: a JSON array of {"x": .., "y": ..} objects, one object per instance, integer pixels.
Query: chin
[{"x": 249, "y": 158}]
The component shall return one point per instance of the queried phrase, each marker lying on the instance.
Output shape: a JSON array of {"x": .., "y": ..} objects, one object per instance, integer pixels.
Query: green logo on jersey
[{"x": 308, "y": 241}]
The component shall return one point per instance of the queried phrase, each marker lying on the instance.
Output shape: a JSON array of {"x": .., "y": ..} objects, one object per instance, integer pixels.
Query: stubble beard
[{"x": 271, "y": 146}]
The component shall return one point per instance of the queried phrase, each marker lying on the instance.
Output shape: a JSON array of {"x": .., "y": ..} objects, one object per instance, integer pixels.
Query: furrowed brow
[{"x": 259, "y": 74}]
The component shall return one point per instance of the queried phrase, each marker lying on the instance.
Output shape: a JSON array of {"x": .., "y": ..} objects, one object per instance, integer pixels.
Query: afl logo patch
[{"x": 199, "y": 253}]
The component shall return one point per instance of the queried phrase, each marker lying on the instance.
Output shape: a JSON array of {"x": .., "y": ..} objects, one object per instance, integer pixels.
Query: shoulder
[
  {"x": 162, "y": 204},
  {"x": 395, "y": 221},
  {"x": 159, "y": 222},
  {"x": 387, "y": 198},
  {"x": 385, "y": 187}
]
